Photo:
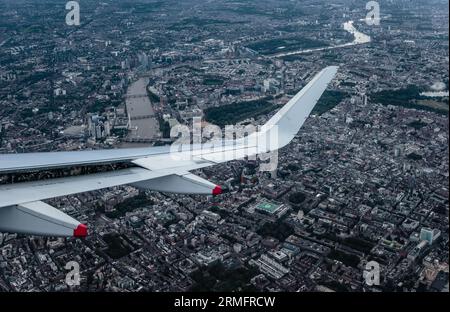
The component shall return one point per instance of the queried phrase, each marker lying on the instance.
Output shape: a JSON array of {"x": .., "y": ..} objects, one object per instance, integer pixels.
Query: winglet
[
  {"x": 290, "y": 118},
  {"x": 39, "y": 218},
  {"x": 80, "y": 231},
  {"x": 281, "y": 128}
]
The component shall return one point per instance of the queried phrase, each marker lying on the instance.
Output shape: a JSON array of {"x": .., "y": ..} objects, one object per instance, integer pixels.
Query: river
[
  {"x": 143, "y": 123},
  {"x": 359, "y": 38},
  {"x": 435, "y": 94}
]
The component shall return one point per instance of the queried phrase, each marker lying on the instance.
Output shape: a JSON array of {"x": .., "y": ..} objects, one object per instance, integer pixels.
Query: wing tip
[
  {"x": 217, "y": 190},
  {"x": 80, "y": 231}
]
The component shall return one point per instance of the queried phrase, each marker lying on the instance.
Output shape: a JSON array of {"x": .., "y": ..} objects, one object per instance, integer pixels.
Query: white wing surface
[{"x": 155, "y": 168}]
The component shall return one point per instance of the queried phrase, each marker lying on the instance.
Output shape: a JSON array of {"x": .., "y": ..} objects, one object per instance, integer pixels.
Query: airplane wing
[{"x": 156, "y": 168}]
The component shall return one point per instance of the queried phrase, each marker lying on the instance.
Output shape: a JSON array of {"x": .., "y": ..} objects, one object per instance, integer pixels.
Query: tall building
[
  {"x": 271, "y": 85},
  {"x": 143, "y": 60},
  {"x": 429, "y": 235},
  {"x": 96, "y": 126}
]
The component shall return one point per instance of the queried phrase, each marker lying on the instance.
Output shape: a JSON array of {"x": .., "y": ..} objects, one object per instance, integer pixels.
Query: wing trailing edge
[{"x": 184, "y": 183}]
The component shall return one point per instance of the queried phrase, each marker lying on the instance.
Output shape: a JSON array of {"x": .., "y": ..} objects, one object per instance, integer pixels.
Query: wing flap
[
  {"x": 290, "y": 118},
  {"x": 181, "y": 183},
  {"x": 39, "y": 218},
  {"x": 171, "y": 161},
  {"x": 13, "y": 194}
]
